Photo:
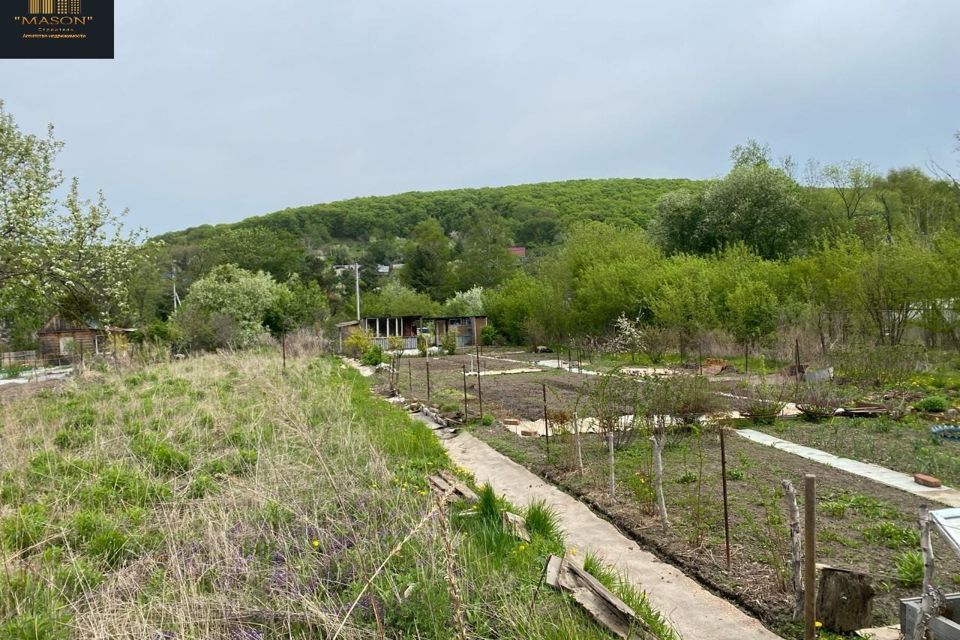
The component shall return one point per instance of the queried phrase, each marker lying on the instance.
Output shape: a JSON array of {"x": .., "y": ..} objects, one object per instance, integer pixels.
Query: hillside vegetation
[{"x": 625, "y": 200}]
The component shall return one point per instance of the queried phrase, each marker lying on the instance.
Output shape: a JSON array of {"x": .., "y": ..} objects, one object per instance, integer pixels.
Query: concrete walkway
[
  {"x": 902, "y": 481},
  {"x": 694, "y": 612}
]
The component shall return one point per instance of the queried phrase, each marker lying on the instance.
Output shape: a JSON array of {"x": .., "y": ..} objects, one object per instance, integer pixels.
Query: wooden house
[
  {"x": 63, "y": 340},
  {"x": 467, "y": 329}
]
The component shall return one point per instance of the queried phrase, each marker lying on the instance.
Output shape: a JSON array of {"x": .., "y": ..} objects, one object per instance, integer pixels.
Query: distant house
[
  {"x": 520, "y": 252},
  {"x": 467, "y": 329},
  {"x": 409, "y": 327},
  {"x": 63, "y": 340},
  {"x": 383, "y": 269}
]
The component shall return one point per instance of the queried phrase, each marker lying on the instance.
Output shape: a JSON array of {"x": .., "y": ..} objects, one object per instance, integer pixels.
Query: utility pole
[
  {"x": 356, "y": 273},
  {"x": 176, "y": 296}
]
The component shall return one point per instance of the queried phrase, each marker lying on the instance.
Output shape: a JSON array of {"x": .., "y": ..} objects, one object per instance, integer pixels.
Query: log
[
  {"x": 598, "y": 601},
  {"x": 844, "y": 599}
]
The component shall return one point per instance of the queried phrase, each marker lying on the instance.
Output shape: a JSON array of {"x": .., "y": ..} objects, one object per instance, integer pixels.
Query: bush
[
  {"x": 358, "y": 342},
  {"x": 878, "y": 365},
  {"x": 423, "y": 344},
  {"x": 932, "y": 404},
  {"x": 372, "y": 356},
  {"x": 819, "y": 400},
  {"x": 449, "y": 343},
  {"x": 488, "y": 335}
]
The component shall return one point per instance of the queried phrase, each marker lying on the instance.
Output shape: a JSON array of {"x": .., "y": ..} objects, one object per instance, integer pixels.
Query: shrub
[
  {"x": 819, "y": 400},
  {"x": 423, "y": 344},
  {"x": 878, "y": 365},
  {"x": 358, "y": 342},
  {"x": 488, "y": 335},
  {"x": 449, "y": 343},
  {"x": 372, "y": 356},
  {"x": 910, "y": 569},
  {"x": 932, "y": 404}
]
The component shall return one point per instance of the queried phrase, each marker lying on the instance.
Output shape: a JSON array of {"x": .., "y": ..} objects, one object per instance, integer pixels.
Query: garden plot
[
  {"x": 861, "y": 525},
  {"x": 904, "y": 445}
]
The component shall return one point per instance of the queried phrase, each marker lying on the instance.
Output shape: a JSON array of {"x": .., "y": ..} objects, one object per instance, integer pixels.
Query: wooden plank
[{"x": 598, "y": 601}]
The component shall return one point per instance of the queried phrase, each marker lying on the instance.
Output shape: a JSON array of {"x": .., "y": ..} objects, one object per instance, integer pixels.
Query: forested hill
[{"x": 531, "y": 210}]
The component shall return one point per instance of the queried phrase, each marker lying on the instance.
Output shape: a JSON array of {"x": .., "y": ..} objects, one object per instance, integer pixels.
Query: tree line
[{"x": 840, "y": 249}]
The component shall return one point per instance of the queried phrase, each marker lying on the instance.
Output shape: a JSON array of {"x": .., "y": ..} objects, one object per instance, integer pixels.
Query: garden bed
[
  {"x": 902, "y": 445},
  {"x": 861, "y": 525}
]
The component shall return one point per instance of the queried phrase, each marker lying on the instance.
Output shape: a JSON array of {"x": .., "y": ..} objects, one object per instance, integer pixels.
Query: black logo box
[{"x": 53, "y": 29}]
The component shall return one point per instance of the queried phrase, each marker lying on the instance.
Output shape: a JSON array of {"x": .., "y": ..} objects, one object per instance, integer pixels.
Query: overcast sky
[{"x": 213, "y": 111}]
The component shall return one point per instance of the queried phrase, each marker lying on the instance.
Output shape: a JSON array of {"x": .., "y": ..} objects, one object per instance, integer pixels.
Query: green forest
[{"x": 841, "y": 252}]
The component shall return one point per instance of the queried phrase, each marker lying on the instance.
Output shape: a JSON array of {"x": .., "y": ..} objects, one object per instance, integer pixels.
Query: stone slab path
[
  {"x": 902, "y": 481},
  {"x": 694, "y": 612}
]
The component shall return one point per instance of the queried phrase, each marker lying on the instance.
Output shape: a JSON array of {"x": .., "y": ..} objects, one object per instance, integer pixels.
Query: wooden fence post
[
  {"x": 409, "y": 378},
  {"x": 428, "y": 382},
  {"x": 810, "y": 556},
  {"x": 796, "y": 554},
  {"x": 927, "y": 604},
  {"x": 283, "y": 347}
]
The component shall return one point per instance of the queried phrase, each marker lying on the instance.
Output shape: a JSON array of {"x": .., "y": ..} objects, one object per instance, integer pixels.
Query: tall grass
[{"x": 221, "y": 497}]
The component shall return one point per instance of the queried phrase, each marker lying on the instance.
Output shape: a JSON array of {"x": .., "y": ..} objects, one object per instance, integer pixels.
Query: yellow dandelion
[
  {"x": 572, "y": 551},
  {"x": 316, "y": 543},
  {"x": 818, "y": 624}
]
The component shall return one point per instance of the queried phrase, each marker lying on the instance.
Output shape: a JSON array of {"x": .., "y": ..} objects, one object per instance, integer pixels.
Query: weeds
[
  {"x": 214, "y": 497},
  {"x": 910, "y": 568}
]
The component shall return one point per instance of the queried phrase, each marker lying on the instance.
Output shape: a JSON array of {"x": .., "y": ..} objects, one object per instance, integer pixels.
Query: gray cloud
[{"x": 214, "y": 111}]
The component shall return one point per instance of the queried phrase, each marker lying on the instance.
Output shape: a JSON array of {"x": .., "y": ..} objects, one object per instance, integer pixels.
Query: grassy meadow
[{"x": 221, "y": 497}]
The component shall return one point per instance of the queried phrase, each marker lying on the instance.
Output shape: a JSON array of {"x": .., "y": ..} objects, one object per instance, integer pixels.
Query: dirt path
[
  {"x": 693, "y": 611},
  {"x": 895, "y": 479}
]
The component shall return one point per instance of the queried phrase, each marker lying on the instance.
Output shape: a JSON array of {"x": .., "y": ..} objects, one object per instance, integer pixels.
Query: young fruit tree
[{"x": 673, "y": 403}]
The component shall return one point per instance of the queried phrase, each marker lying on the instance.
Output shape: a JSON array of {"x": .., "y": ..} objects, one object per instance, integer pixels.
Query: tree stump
[{"x": 844, "y": 599}]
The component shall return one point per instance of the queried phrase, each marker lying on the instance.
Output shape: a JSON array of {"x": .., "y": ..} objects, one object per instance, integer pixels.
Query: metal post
[
  {"x": 809, "y": 556},
  {"x": 546, "y": 421},
  {"x": 356, "y": 273},
  {"x": 428, "y": 382},
  {"x": 409, "y": 377},
  {"x": 613, "y": 486},
  {"x": 466, "y": 415},
  {"x": 723, "y": 476},
  {"x": 283, "y": 347},
  {"x": 479, "y": 385},
  {"x": 797, "y": 359}
]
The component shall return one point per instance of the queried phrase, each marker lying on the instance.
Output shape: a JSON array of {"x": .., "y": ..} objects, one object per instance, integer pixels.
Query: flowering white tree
[
  {"x": 71, "y": 255},
  {"x": 630, "y": 336}
]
